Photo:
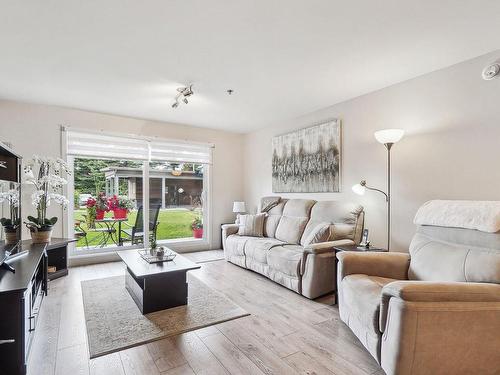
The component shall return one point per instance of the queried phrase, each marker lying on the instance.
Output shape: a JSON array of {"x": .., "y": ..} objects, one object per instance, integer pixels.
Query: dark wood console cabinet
[{"x": 21, "y": 295}]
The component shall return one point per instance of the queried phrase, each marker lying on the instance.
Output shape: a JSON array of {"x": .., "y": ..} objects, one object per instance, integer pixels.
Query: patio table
[{"x": 110, "y": 223}]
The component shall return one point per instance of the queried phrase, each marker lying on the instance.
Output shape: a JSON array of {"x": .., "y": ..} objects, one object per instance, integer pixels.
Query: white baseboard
[
  {"x": 85, "y": 260},
  {"x": 112, "y": 256}
]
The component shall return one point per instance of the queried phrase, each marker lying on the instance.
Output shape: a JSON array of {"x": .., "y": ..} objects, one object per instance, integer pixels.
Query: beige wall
[
  {"x": 35, "y": 129},
  {"x": 451, "y": 149}
]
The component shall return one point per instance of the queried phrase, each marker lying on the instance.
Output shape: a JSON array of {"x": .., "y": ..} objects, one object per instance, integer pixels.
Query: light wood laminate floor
[{"x": 286, "y": 333}]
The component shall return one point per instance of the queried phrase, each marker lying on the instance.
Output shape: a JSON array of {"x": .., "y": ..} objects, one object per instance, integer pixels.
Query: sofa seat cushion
[
  {"x": 256, "y": 251},
  {"x": 257, "y": 248},
  {"x": 286, "y": 259},
  {"x": 362, "y": 296},
  {"x": 285, "y": 265}
]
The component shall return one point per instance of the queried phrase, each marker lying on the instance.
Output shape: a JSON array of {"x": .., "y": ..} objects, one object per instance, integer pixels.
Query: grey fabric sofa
[
  {"x": 433, "y": 311},
  {"x": 281, "y": 255}
]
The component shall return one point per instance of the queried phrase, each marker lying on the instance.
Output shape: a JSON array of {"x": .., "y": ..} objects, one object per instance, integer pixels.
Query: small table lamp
[{"x": 239, "y": 207}]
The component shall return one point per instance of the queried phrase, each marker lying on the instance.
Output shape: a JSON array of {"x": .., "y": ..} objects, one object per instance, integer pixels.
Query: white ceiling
[{"x": 283, "y": 58}]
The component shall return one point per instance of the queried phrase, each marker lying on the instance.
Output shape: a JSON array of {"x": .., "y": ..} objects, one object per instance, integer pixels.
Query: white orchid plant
[
  {"x": 12, "y": 198},
  {"x": 46, "y": 175}
]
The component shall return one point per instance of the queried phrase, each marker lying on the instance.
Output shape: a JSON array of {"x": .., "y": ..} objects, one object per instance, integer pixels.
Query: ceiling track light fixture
[{"x": 182, "y": 94}]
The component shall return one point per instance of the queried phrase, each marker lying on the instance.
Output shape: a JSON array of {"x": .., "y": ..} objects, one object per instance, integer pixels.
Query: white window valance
[
  {"x": 180, "y": 151},
  {"x": 111, "y": 146}
]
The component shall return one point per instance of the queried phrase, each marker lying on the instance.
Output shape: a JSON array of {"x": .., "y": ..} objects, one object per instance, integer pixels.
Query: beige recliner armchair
[{"x": 433, "y": 311}]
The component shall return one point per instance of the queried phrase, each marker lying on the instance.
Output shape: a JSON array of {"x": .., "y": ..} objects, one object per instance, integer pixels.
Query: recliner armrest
[
  {"x": 431, "y": 291},
  {"x": 390, "y": 265},
  {"x": 325, "y": 247},
  {"x": 428, "y": 291}
]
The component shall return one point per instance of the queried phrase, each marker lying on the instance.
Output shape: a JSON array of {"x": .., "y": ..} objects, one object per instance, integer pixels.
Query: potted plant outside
[
  {"x": 197, "y": 227},
  {"x": 91, "y": 212},
  {"x": 11, "y": 224},
  {"x": 101, "y": 206},
  {"x": 120, "y": 206},
  {"x": 45, "y": 174}
]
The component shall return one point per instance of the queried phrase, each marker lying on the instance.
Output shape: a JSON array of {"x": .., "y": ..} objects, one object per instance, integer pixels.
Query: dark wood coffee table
[{"x": 156, "y": 286}]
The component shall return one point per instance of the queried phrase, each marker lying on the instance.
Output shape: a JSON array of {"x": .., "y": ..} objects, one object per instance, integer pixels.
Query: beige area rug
[{"x": 114, "y": 322}]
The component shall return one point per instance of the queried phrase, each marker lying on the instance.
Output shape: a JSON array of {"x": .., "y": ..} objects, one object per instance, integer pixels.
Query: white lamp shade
[
  {"x": 389, "y": 135},
  {"x": 239, "y": 207},
  {"x": 359, "y": 189}
]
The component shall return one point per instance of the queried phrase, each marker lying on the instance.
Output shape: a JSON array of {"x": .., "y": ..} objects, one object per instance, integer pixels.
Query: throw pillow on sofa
[
  {"x": 251, "y": 225},
  {"x": 320, "y": 233}
]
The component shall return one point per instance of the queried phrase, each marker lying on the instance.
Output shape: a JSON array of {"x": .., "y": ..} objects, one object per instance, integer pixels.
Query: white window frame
[{"x": 179, "y": 245}]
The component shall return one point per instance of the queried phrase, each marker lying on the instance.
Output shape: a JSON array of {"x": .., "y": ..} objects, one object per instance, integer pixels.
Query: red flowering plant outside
[
  {"x": 91, "y": 202},
  {"x": 91, "y": 212},
  {"x": 96, "y": 207},
  {"x": 120, "y": 203},
  {"x": 120, "y": 206},
  {"x": 102, "y": 202}
]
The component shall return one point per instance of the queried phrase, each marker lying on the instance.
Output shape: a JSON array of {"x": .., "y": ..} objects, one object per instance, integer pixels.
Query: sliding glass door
[
  {"x": 176, "y": 197},
  {"x": 128, "y": 192}
]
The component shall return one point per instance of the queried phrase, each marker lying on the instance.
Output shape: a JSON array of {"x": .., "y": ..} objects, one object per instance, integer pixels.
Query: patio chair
[
  {"x": 80, "y": 232},
  {"x": 136, "y": 232},
  {"x": 104, "y": 233}
]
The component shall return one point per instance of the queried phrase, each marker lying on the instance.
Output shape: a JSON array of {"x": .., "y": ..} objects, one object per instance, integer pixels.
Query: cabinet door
[
  {"x": 8, "y": 168},
  {"x": 28, "y": 320},
  {"x": 12, "y": 358}
]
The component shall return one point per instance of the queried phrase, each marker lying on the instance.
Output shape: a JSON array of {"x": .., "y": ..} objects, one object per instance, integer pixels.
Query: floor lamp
[{"x": 387, "y": 137}]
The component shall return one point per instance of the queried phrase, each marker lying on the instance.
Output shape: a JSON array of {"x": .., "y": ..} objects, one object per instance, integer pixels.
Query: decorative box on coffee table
[{"x": 156, "y": 286}]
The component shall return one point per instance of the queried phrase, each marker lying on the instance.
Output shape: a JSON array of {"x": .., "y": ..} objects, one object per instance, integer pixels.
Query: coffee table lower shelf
[{"x": 158, "y": 292}]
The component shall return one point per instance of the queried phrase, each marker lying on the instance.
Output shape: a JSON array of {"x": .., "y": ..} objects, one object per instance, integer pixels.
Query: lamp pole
[
  {"x": 388, "y": 146},
  {"x": 387, "y": 137}
]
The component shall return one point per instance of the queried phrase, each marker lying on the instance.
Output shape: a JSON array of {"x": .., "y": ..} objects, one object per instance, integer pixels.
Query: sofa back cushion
[
  {"x": 346, "y": 220},
  {"x": 273, "y": 218},
  {"x": 454, "y": 254},
  {"x": 290, "y": 229},
  {"x": 320, "y": 233},
  {"x": 294, "y": 220},
  {"x": 251, "y": 225}
]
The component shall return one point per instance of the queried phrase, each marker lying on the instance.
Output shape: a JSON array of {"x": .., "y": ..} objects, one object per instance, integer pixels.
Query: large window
[{"x": 122, "y": 186}]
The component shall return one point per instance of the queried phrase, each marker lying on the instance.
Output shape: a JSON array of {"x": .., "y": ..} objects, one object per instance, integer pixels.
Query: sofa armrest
[
  {"x": 390, "y": 265},
  {"x": 324, "y": 247},
  {"x": 428, "y": 291},
  {"x": 228, "y": 229}
]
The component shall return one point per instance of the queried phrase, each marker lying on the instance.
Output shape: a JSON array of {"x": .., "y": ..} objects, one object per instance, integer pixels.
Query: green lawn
[{"x": 172, "y": 224}]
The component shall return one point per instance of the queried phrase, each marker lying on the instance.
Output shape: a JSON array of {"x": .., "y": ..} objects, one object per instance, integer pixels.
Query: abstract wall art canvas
[{"x": 308, "y": 160}]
